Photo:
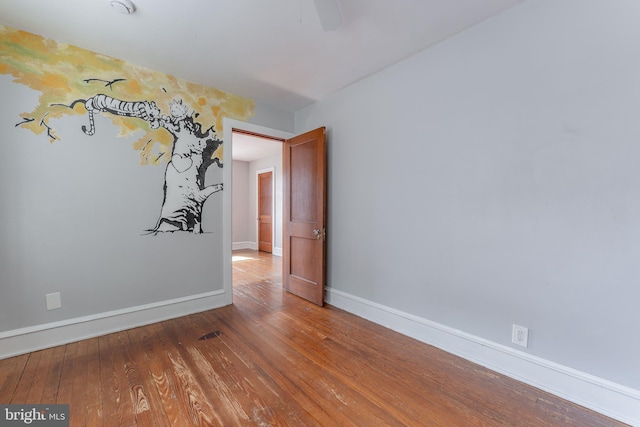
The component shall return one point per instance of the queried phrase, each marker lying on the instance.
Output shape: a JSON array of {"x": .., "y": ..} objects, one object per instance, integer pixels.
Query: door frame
[
  {"x": 227, "y": 173},
  {"x": 271, "y": 169}
]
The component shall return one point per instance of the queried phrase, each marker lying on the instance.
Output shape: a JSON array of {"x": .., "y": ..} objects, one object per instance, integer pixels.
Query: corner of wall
[{"x": 272, "y": 117}]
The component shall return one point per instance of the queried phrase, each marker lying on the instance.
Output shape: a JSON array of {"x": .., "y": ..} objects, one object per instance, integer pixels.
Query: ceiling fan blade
[{"x": 329, "y": 14}]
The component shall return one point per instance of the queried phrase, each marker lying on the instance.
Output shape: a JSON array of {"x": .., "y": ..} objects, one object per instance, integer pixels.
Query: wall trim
[
  {"x": 603, "y": 396},
  {"x": 244, "y": 245},
  {"x": 34, "y": 338},
  {"x": 254, "y": 247}
]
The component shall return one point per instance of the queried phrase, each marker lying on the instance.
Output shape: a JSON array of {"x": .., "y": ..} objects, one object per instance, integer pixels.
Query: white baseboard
[
  {"x": 254, "y": 247},
  {"x": 603, "y": 396},
  {"x": 244, "y": 245},
  {"x": 26, "y": 340}
]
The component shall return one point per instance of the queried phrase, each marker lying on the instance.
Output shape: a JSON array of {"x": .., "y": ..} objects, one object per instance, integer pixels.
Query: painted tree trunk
[
  {"x": 184, "y": 188},
  {"x": 191, "y": 154}
]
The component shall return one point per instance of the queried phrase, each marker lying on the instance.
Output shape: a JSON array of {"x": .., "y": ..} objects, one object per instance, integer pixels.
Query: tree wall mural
[{"x": 178, "y": 122}]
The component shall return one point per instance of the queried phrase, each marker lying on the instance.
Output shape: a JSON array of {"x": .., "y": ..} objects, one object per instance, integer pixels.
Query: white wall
[
  {"x": 74, "y": 215},
  {"x": 74, "y": 220},
  {"x": 271, "y": 117},
  {"x": 245, "y": 208},
  {"x": 240, "y": 204},
  {"x": 494, "y": 179}
]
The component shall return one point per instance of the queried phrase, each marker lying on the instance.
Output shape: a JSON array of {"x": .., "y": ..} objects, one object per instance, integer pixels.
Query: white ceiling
[{"x": 272, "y": 51}]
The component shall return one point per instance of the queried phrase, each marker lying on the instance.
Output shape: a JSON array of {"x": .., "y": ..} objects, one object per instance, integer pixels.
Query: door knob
[{"x": 320, "y": 234}]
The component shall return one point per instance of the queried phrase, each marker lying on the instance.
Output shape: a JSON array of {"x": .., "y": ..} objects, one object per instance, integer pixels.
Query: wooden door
[
  {"x": 265, "y": 212},
  {"x": 305, "y": 207}
]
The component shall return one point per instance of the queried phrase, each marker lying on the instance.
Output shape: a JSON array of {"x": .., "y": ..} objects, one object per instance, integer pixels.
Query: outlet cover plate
[
  {"x": 520, "y": 335},
  {"x": 53, "y": 301}
]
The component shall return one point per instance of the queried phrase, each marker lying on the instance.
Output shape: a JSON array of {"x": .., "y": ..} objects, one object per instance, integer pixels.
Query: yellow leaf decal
[{"x": 67, "y": 76}]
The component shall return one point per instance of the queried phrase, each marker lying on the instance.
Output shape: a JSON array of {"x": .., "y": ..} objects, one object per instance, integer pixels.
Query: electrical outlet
[
  {"x": 520, "y": 335},
  {"x": 53, "y": 301}
]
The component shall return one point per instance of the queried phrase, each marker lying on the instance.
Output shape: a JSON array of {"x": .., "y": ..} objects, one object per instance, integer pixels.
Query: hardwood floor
[{"x": 273, "y": 359}]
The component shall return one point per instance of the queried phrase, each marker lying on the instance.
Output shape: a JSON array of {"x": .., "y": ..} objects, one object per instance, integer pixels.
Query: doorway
[
  {"x": 241, "y": 221},
  {"x": 257, "y": 190},
  {"x": 304, "y": 160}
]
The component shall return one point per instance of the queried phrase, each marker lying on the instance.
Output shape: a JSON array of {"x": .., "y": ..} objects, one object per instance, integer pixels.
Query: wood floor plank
[
  {"x": 255, "y": 389},
  {"x": 363, "y": 369},
  {"x": 136, "y": 389},
  {"x": 67, "y": 376},
  {"x": 54, "y": 375},
  {"x": 77, "y": 399},
  {"x": 11, "y": 371},
  {"x": 305, "y": 366},
  {"x": 406, "y": 398},
  {"x": 29, "y": 376},
  {"x": 147, "y": 389},
  {"x": 437, "y": 381},
  {"x": 273, "y": 359},
  {"x": 175, "y": 409},
  {"x": 365, "y": 383},
  {"x": 93, "y": 409},
  {"x": 109, "y": 385},
  {"x": 139, "y": 386},
  {"x": 39, "y": 376},
  {"x": 244, "y": 338},
  {"x": 233, "y": 400},
  {"x": 125, "y": 403},
  {"x": 192, "y": 399}
]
